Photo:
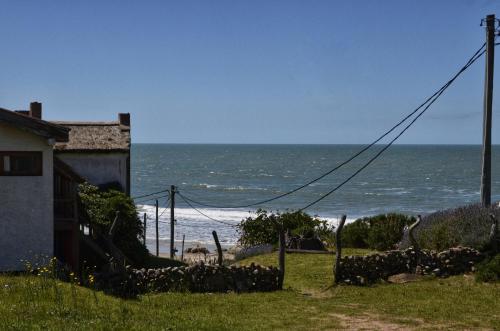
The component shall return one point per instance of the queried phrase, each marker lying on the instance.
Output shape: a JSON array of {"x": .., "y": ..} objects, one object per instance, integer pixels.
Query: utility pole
[
  {"x": 488, "y": 100},
  {"x": 172, "y": 220},
  {"x": 145, "y": 219},
  {"x": 157, "y": 233}
]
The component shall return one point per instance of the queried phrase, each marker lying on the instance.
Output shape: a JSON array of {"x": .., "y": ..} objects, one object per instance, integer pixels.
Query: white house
[
  {"x": 26, "y": 187},
  {"x": 41, "y": 164}
]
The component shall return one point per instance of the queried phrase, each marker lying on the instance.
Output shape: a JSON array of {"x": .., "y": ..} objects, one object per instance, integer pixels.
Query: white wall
[
  {"x": 26, "y": 204},
  {"x": 98, "y": 168}
]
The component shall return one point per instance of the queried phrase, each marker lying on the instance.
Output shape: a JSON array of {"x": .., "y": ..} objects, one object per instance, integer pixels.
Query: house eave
[{"x": 36, "y": 126}]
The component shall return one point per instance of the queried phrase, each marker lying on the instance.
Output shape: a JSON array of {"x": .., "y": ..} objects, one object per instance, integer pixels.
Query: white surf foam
[{"x": 198, "y": 228}]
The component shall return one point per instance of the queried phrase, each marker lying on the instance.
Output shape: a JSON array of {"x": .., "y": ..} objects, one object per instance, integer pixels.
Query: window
[{"x": 20, "y": 163}]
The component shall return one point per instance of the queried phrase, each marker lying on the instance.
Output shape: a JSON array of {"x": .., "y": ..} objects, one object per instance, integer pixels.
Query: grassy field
[{"x": 308, "y": 303}]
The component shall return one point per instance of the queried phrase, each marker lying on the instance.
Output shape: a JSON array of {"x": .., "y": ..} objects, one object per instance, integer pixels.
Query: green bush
[
  {"x": 438, "y": 237},
  {"x": 263, "y": 229},
  {"x": 463, "y": 226},
  {"x": 355, "y": 234},
  {"x": 489, "y": 270},
  {"x": 380, "y": 232},
  {"x": 100, "y": 207}
]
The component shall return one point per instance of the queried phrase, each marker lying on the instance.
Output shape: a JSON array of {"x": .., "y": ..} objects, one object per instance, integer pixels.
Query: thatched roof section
[
  {"x": 95, "y": 137},
  {"x": 34, "y": 125}
]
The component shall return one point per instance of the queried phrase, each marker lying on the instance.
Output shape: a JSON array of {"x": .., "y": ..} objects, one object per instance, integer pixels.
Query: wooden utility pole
[
  {"x": 172, "y": 220},
  {"x": 488, "y": 100},
  {"x": 145, "y": 219},
  {"x": 157, "y": 233}
]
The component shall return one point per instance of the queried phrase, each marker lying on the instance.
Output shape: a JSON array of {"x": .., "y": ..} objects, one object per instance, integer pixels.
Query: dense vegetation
[
  {"x": 465, "y": 226},
  {"x": 100, "y": 207},
  {"x": 489, "y": 270},
  {"x": 381, "y": 232},
  {"x": 264, "y": 228}
]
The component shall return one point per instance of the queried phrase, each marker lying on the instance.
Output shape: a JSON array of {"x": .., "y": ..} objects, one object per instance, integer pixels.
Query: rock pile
[
  {"x": 361, "y": 270},
  {"x": 207, "y": 278}
]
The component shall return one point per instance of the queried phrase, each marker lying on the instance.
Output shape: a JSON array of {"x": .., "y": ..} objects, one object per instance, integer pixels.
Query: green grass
[{"x": 307, "y": 303}]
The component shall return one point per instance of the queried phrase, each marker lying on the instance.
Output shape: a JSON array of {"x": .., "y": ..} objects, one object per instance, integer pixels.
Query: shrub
[
  {"x": 489, "y": 270},
  {"x": 263, "y": 229},
  {"x": 100, "y": 208},
  {"x": 387, "y": 230},
  {"x": 355, "y": 234},
  {"x": 380, "y": 232},
  {"x": 464, "y": 226}
]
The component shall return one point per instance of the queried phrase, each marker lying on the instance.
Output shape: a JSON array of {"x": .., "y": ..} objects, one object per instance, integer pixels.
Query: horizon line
[{"x": 308, "y": 144}]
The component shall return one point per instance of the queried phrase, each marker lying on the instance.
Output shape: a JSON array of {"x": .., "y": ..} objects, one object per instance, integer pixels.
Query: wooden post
[
  {"x": 488, "y": 100},
  {"x": 157, "y": 232},
  {"x": 494, "y": 234},
  {"x": 145, "y": 218},
  {"x": 338, "y": 244},
  {"x": 412, "y": 227},
  {"x": 282, "y": 247},
  {"x": 182, "y": 252},
  {"x": 217, "y": 244},
  {"x": 172, "y": 220}
]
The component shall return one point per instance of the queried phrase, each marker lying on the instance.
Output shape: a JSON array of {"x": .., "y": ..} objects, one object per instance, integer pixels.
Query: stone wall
[
  {"x": 194, "y": 278},
  {"x": 361, "y": 270}
]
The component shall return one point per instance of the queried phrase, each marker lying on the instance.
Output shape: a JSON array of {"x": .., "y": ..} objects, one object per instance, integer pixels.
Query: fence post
[
  {"x": 219, "y": 249},
  {"x": 182, "y": 252},
  {"x": 412, "y": 227},
  {"x": 494, "y": 234},
  {"x": 157, "y": 233},
  {"x": 145, "y": 218},
  {"x": 338, "y": 254},
  {"x": 282, "y": 248}
]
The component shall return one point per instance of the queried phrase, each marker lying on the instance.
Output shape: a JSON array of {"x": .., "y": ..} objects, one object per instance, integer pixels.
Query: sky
[{"x": 304, "y": 72}]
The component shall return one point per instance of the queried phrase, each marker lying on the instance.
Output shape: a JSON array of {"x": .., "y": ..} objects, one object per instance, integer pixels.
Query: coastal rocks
[
  {"x": 207, "y": 278},
  {"x": 198, "y": 249},
  {"x": 361, "y": 270}
]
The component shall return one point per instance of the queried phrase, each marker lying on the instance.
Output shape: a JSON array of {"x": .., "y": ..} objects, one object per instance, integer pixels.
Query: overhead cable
[
  {"x": 438, "y": 92},
  {"x": 473, "y": 59}
]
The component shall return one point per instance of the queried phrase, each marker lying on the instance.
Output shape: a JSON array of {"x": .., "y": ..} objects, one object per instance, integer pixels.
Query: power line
[
  {"x": 473, "y": 59},
  {"x": 147, "y": 195},
  {"x": 164, "y": 209},
  {"x": 201, "y": 213},
  {"x": 153, "y": 198},
  {"x": 438, "y": 92}
]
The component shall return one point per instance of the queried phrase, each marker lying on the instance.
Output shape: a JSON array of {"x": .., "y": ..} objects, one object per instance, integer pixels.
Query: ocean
[{"x": 410, "y": 179}]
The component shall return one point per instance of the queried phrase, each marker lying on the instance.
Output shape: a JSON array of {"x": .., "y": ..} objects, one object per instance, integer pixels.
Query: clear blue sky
[{"x": 249, "y": 71}]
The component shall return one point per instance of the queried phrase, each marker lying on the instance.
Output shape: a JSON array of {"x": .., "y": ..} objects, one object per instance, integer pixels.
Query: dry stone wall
[
  {"x": 362, "y": 270},
  {"x": 206, "y": 278}
]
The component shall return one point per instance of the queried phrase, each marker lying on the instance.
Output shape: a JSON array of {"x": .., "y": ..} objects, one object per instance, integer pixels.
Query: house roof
[
  {"x": 95, "y": 137},
  {"x": 34, "y": 125}
]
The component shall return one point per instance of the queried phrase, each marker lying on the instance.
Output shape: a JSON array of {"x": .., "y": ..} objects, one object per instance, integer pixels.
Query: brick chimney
[
  {"x": 36, "y": 110},
  {"x": 124, "y": 119}
]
